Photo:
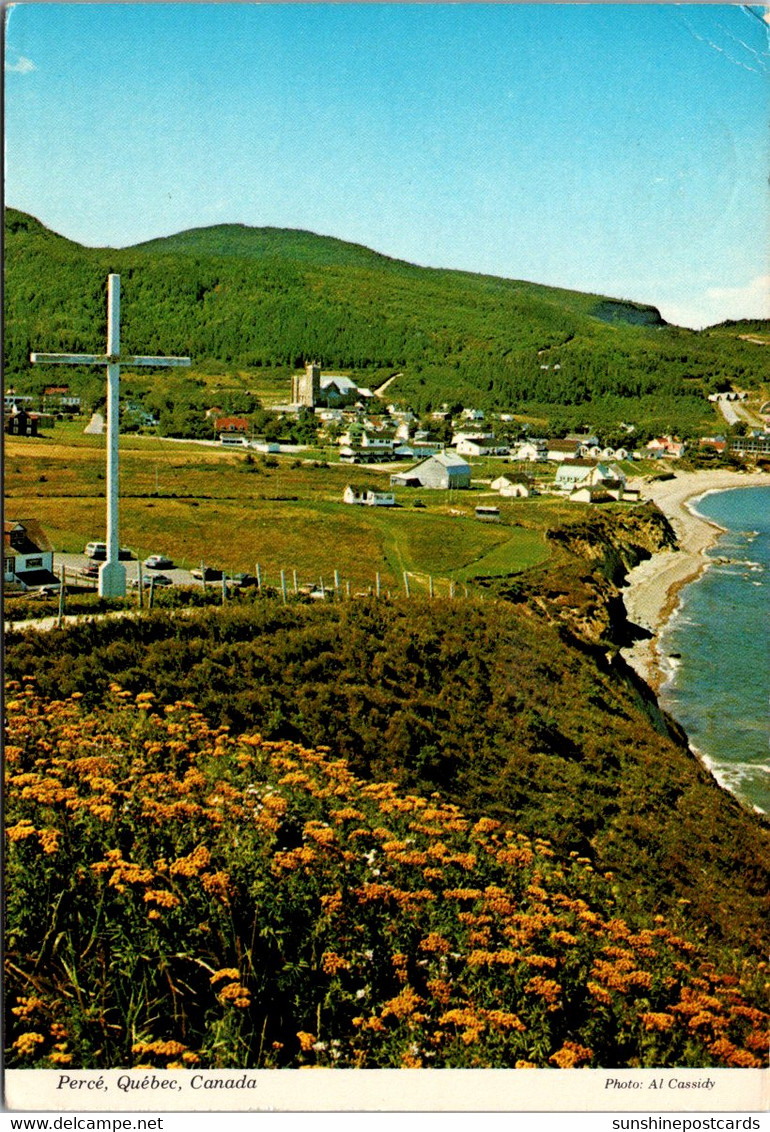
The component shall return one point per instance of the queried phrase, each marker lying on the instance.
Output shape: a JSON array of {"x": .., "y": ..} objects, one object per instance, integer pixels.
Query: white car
[{"x": 158, "y": 562}]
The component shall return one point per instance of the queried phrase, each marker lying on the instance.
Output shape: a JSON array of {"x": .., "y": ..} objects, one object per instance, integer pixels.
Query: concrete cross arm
[
  {"x": 138, "y": 360},
  {"x": 70, "y": 359},
  {"x": 105, "y": 359}
]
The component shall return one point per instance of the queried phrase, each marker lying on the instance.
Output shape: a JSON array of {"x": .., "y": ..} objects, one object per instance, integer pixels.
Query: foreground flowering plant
[{"x": 179, "y": 897}]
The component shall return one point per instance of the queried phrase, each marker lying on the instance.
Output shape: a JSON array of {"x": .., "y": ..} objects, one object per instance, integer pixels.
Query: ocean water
[{"x": 718, "y": 680}]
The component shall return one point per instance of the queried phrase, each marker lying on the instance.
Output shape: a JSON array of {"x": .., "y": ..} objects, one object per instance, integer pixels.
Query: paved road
[{"x": 74, "y": 564}]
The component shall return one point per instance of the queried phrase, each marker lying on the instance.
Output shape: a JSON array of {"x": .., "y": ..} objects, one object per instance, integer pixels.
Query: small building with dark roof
[
  {"x": 27, "y": 554},
  {"x": 21, "y": 423}
]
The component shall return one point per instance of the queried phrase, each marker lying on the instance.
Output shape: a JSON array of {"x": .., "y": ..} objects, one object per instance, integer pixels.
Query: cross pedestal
[{"x": 112, "y": 574}]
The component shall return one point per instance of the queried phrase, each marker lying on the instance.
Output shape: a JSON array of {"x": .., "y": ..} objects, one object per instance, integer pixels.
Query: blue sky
[{"x": 621, "y": 149}]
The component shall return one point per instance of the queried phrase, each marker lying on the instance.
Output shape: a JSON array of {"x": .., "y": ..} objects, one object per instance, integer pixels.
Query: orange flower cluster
[{"x": 470, "y": 963}]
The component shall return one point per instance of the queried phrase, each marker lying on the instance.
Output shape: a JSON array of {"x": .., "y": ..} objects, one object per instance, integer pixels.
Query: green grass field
[{"x": 200, "y": 503}]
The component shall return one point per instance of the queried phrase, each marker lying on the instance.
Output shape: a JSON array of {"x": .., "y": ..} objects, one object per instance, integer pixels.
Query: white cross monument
[{"x": 112, "y": 574}]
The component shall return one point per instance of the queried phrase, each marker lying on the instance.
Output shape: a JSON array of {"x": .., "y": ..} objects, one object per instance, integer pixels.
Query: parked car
[
  {"x": 211, "y": 575},
  {"x": 98, "y": 551},
  {"x": 243, "y": 581},
  {"x": 91, "y": 570},
  {"x": 158, "y": 562},
  {"x": 153, "y": 580}
]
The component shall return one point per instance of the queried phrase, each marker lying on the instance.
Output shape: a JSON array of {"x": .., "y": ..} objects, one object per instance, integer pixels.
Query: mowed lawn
[{"x": 203, "y": 504}]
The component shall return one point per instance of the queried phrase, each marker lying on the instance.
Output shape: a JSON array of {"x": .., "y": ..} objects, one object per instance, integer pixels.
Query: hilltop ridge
[{"x": 240, "y": 300}]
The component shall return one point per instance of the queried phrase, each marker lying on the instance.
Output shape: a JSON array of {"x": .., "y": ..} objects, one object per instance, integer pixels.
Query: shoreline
[{"x": 651, "y": 593}]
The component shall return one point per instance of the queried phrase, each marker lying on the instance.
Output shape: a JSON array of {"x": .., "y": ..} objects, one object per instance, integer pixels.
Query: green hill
[
  {"x": 262, "y": 301},
  {"x": 270, "y": 243}
]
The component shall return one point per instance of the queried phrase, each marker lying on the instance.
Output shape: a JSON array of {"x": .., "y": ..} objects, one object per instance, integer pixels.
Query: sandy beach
[{"x": 650, "y": 596}]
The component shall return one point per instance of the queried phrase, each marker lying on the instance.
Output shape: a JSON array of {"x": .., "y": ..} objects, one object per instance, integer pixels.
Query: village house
[
  {"x": 480, "y": 448},
  {"x": 27, "y": 555},
  {"x": 59, "y": 397},
  {"x": 444, "y": 470},
  {"x": 513, "y": 487},
  {"x": 367, "y": 440},
  {"x": 473, "y": 414},
  {"x": 588, "y": 494},
  {"x": 417, "y": 451},
  {"x": 480, "y": 435},
  {"x": 13, "y": 401},
  {"x": 350, "y": 455},
  {"x": 534, "y": 451},
  {"x": 368, "y": 496},
  {"x": 670, "y": 447},
  {"x": 584, "y": 474},
  {"x": 230, "y": 425},
  {"x": 583, "y": 439},
  {"x": 21, "y": 423},
  {"x": 560, "y": 450},
  {"x": 719, "y": 443}
]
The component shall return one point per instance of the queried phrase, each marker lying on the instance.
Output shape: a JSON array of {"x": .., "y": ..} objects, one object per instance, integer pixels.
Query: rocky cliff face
[{"x": 579, "y": 588}]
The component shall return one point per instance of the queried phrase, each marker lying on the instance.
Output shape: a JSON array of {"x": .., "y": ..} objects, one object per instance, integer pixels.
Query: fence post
[
  {"x": 377, "y": 585},
  {"x": 451, "y": 589},
  {"x": 61, "y": 597},
  {"x": 347, "y": 588},
  {"x": 406, "y": 583},
  {"x": 259, "y": 578},
  {"x": 152, "y": 592},
  {"x": 336, "y": 580},
  {"x": 283, "y": 586},
  {"x": 430, "y": 585},
  {"x": 224, "y": 587},
  {"x": 140, "y": 579},
  {"x": 296, "y": 587}
]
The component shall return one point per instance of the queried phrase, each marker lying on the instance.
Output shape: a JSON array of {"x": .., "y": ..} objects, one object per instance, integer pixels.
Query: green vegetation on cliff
[{"x": 510, "y": 709}]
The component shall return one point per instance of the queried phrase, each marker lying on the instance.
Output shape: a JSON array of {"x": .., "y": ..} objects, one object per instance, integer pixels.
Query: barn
[{"x": 444, "y": 470}]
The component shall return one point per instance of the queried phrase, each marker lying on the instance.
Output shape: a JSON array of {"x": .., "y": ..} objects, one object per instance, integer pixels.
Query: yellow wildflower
[{"x": 27, "y": 1043}]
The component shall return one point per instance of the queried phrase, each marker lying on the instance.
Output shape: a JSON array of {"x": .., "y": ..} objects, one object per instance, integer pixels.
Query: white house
[
  {"x": 368, "y": 497},
  {"x": 480, "y": 448},
  {"x": 581, "y": 473},
  {"x": 512, "y": 487},
  {"x": 27, "y": 554},
  {"x": 480, "y": 435},
  {"x": 367, "y": 439},
  {"x": 667, "y": 446},
  {"x": 560, "y": 450},
  {"x": 535, "y": 451}
]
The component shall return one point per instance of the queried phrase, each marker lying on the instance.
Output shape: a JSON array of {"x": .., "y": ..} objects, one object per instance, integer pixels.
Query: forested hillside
[{"x": 248, "y": 300}]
